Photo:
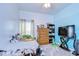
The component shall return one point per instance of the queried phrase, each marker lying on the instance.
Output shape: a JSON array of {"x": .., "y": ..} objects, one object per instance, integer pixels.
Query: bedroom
[{"x": 23, "y": 18}]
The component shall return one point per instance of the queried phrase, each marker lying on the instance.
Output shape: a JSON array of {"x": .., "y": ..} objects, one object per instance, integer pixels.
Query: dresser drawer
[
  {"x": 43, "y": 42},
  {"x": 43, "y": 33},
  {"x": 43, "y": 30}
]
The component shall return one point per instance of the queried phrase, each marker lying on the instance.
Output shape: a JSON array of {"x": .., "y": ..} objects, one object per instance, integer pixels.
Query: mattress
[
  {"x": 12, "y": 47},
  {"x": 47, "y": 50}
]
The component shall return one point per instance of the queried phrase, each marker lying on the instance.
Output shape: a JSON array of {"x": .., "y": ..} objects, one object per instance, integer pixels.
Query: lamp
[{"x": 47, "y": 5}]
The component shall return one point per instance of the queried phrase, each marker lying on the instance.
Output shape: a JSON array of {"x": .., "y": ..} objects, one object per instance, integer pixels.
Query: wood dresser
[{"x": 43, "y": 35}]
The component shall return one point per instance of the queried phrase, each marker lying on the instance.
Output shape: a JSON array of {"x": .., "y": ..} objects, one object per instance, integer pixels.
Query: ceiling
[{"x": 38, "y": 7}]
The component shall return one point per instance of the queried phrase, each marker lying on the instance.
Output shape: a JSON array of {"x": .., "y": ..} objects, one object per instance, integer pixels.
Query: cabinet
[{"x": 43, "y": 35}]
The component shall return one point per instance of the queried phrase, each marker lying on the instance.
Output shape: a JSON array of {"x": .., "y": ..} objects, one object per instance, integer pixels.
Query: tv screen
[
  {"x": 67, "y": 31},
  {"x": 62, "y": 31}
]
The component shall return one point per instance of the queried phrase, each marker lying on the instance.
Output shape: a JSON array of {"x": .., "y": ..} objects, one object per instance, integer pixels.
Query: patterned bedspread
[{"x": 18, "y": 48}]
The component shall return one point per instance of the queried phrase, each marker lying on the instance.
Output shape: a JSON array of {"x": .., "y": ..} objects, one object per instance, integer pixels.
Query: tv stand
[
  {"x": 64, "y": 48},
  {"x": 64, "y": 44}
]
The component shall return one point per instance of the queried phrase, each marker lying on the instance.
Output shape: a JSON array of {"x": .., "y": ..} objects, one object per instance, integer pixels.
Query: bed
[
  {"x": 47, "y": 50},
  {"x": 19, "y": 46}
]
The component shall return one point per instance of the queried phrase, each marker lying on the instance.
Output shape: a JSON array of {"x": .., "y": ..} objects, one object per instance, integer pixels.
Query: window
[{"x": 27, "y": 27}]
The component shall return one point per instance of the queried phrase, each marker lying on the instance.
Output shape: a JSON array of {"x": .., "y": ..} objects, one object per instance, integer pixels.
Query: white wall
[
  {"x": 68, "y": 16},
  {"x": 37, "y": 17},
  {"x": 8, "y": 22}
]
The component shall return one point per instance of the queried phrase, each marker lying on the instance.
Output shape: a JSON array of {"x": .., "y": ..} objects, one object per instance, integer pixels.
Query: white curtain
[{"x": 27, "y": 27}]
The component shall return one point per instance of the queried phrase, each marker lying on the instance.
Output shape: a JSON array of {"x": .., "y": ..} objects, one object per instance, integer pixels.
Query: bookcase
[{"x": 51, "y": 28}]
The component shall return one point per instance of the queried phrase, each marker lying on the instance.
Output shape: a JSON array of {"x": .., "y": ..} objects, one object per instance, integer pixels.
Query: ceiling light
[{"x": 47, "y": 5}]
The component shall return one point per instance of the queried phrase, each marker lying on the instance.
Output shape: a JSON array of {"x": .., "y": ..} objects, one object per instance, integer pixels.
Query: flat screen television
[
  {"x": 67, "y": 31},
  {"x": 62, "y": 31}
]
